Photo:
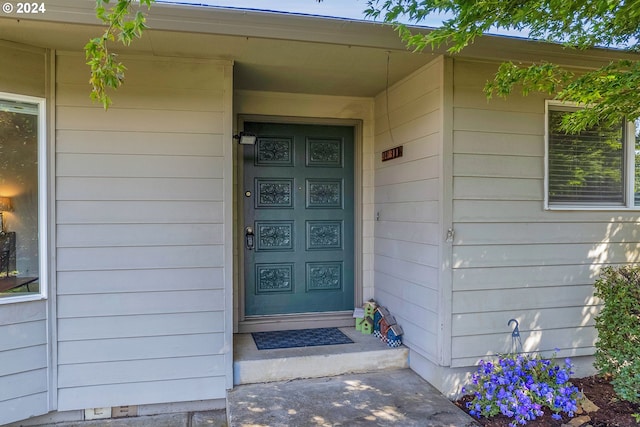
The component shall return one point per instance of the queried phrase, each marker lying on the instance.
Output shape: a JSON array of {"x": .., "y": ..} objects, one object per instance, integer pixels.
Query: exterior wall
[
  {"x": 408, "y": 202},
  {"x": 24, "y": 358},
  {"x": 142, "y": 220},
  {"x": 332, "y": 107},
  {"x": 23, "y": 361},
  {"x": 511, "y": 258}
]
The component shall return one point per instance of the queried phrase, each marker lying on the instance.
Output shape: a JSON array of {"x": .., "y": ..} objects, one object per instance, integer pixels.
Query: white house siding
[
  {"x": 315, "y": 107},
  {"x": 408, "y": 203},
  {"x": 23, "y": 361},
  {"x": 141, "y": 256},
  {"x": 24, "y": 357},
  {"x": 511, "y": 258}
]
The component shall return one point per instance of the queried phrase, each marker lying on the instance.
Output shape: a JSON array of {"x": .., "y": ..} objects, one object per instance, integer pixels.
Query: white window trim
[
  {"x": 629, "y": 173},
  {"x": 43, "y": 208}
]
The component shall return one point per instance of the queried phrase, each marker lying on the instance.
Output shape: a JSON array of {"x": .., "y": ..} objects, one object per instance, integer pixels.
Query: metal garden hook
[{"x": 515, "y": 336}]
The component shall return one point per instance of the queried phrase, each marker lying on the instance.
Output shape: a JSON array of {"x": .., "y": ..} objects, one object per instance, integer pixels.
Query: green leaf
[
  {"x": 106, "y": 71},
  {"x": 609, "y": 93}
]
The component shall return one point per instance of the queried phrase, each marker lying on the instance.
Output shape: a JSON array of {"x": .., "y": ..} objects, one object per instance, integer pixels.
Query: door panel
[{"x": 299, "y": 205}]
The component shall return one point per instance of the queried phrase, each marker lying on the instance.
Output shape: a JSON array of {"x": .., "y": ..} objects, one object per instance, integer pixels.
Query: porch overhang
[
  {"x": 277, "y": 52},
  {"x": 272, "y": 52}
]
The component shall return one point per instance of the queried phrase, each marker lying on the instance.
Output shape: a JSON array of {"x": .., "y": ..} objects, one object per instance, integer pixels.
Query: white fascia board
[
  {"x": 238, "y": 22},
  {"x": 319, "y": 29}
]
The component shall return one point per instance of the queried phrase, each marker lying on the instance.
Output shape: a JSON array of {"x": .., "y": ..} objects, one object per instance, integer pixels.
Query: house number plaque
[{"x": 392, "y": 153}]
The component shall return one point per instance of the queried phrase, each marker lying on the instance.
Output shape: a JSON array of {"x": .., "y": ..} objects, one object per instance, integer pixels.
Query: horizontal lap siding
[
  {"x": 23, "y": 361},
  {"x": 23, "y": 326},
  {"x": 140, "y": 235},
  {"x": 189, "y": 389},
  {"x": 22, "y": 70},
  {"x": 407, "y": 199},
  {"x": 511, "y": 258}
]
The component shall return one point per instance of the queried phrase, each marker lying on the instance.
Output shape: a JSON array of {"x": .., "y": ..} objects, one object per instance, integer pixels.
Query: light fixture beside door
[{"x": 246, "y": 138}]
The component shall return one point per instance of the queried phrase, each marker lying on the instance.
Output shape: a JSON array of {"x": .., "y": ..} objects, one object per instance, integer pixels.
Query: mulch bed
[{"x": 612, "y": 412}]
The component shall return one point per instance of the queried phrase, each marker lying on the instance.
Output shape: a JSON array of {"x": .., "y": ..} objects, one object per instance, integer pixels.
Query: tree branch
[{"x": 106, "y": 71}]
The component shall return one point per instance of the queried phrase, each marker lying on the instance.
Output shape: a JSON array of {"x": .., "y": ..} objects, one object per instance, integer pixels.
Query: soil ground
[{"x": 611, "y": 413}]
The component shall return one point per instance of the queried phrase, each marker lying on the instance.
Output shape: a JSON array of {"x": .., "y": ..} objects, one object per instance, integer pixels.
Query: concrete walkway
[
  {"x": 385, "y": 398},
  {"x": 395, "y": 398},
  {"x": 193, "y": 419}
]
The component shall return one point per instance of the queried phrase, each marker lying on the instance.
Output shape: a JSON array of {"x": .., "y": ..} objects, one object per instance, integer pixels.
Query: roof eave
[
  {"x": 319, "y": 29},
  {"x": 239, "y": 22}
]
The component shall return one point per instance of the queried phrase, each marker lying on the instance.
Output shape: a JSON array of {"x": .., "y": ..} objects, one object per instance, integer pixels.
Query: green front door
[{"x": 298, "y": 228}]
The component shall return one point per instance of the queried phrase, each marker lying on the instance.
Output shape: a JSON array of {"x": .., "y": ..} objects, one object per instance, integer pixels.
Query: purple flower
[
  {"x": 562, "y": 377},
  {"x": 519, "y": 386}
]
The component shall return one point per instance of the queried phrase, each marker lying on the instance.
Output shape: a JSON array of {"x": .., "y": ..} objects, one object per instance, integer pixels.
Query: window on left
[{"x": 22, "y": 260}]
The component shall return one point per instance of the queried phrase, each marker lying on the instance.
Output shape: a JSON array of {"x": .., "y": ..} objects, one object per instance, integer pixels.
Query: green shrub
[{"x": 618, "y": 325}]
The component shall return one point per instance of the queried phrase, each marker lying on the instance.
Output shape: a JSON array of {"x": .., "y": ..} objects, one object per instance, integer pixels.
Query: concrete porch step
[{"x": 366, "y": 354}]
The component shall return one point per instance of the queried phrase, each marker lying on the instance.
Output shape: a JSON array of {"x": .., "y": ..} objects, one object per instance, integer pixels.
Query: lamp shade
[{"x": 5, "y": 204}]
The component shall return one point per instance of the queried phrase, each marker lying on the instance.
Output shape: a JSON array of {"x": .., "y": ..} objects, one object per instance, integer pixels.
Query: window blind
[{"x": 587, "y": 167}]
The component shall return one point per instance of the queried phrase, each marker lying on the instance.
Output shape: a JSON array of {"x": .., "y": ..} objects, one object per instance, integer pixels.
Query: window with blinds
[{"x": 588, "y": 168}]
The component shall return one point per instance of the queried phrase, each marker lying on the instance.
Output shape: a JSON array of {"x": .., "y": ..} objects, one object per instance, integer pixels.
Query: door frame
[{"x": 243, "y": 324}]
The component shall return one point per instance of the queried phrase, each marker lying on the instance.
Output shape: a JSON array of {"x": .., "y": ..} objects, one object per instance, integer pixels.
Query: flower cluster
[{"x": 520, "y": 386}]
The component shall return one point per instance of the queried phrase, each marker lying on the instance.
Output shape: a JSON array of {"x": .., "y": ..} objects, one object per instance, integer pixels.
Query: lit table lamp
[{"x": 5, "y": 206}]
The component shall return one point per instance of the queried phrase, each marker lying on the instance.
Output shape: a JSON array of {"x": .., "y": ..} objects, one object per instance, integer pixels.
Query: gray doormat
[{"x": 299, "y": 338}]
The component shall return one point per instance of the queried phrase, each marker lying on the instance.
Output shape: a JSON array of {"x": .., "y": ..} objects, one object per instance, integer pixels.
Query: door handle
[{"x": 249, "y": 238}]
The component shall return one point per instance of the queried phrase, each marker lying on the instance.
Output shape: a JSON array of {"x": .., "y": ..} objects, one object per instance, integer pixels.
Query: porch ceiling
[{"x": 261, "y": 63}]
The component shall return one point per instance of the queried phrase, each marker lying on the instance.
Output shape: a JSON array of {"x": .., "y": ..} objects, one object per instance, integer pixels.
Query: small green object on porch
[
  {"x": 369, "y": 308},
  {"x": 358, "y": 315},
  {"x": 367, "y": 326}
]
